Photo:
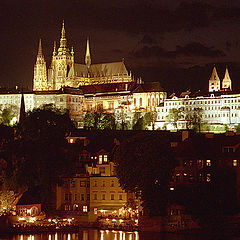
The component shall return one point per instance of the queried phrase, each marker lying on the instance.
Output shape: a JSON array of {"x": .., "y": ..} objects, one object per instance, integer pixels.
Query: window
[
  {"x": 105, "y": 158},
  {"x": 102, "y": 170},
  {"x": 75, "y": 198},
  {"x": 120, "y": 197},
  {"x": 82, "y": 183},
  {"x": 88, "y": 196},
  {"x": 82, "y": 197},
  {"x": 95, "y": 183},
  {"x": 200, "y": 163},
  {"x": 208, "y": 163},
  {"x": 177, "y": 177},
  {"x": 140, "y": 101},
  {"x": 235, "y": 163},
  {"x": 66, "y": 197},
  {"x": 208, "y": 177},
  {"x": 112, "y": 183},
  {"x": 134, "y": 100},
  {"x": 71, "y": 140},
  {"x": 85, "y": 209},
  {"x": 112, "y": 196},
  {"x": 94, "y": 196},
  {"x": 103, "y": 197},
  {"x": 103, "y": 184},
  {"x": 100, "y": 159}
]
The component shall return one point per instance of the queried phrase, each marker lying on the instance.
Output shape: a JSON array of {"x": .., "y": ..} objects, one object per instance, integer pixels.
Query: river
[{"x": 91, "y": 234}]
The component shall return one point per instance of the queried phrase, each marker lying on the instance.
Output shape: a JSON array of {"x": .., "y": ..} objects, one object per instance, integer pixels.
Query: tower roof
[
  {"x": 88, "y": 57},
  {"x": 214, "y": 75},
  {"x": 226, "y": 76},
  {"x": 40, "y": 52},
  {"x": 63, "y": 41}
]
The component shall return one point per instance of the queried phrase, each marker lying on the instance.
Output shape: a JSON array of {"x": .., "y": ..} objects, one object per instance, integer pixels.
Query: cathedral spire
[
  {"x": 63, "y": 40},
  {"x": 40, "y": 52},
  {"x": 214, "y": 81},
  {"x": 227, "y": 82},
  {"x": 88, "y": 57}
]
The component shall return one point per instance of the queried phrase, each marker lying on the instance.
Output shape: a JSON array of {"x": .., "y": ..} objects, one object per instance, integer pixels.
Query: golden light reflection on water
[{"x": 84, "y": 235}]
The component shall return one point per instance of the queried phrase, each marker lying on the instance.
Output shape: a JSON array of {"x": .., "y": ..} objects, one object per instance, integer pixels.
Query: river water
[{"x": 91, "y": 234}]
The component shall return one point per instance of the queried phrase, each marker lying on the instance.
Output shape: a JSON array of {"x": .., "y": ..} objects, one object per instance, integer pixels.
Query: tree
[
  {"x": 39, "y": 154},
  {"x": 175, "y": 114},
  {"x": 100, "y": 121},
  {"x": 144, "y": 165},
  {"x": 8, "y": 114},
  {"x": 150, "y": 118},
  {"x": 194, "y": 119}
]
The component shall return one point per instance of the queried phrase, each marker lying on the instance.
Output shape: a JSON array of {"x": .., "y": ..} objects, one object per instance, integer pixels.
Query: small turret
[
  {"x": 214, "y": 81},
  {"x": 88, "y": 57},
  {"x": 227, "y": 82}
]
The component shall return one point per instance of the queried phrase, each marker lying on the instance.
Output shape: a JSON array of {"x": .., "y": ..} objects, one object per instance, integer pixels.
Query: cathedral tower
[
  {"x": 227, "y": 82},
  {"x": 214, "y": 81},
  {"x": 62, "y": 61},
  {"x": 40, "y": 71}
]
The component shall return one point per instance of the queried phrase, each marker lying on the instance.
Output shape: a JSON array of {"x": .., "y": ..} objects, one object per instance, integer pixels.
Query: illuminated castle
[{"x": 63, "y": 71}]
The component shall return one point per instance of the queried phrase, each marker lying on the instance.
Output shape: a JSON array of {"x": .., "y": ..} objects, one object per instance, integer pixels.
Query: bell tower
[
  {"x": 214, "y": 81},
  {"x": 227, "y": 82},
  {"x": 62, "y": 60},
  {"x": 40, "y": 71}
]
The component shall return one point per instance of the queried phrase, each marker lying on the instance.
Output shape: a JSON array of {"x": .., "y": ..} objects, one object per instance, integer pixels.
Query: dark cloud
[
  {"x": 148, "y": 40},
  {"x": 196, "y": 49},
  {"x": 193, "y": 49}
]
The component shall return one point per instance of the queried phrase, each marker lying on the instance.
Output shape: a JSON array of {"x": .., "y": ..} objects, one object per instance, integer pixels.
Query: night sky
[{"x": 171, "y": 41}]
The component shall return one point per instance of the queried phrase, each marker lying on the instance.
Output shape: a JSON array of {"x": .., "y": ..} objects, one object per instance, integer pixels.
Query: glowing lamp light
[
  {"x": 114, "y": 220},
  {"x": 21, "y": 219},
  {"x": 120, "y": 220},
  {"x": 171, "y": 188}
]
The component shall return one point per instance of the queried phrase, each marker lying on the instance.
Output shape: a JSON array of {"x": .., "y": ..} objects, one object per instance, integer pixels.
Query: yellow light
[
  {"x": 120, "y": 220},
  {"x": 171, "y": 188},
  {"x": 21, "y": 219},
  {"x": 107, "y": 219},
  {"x": 114, "y": 220},
  {"x": 49, "y": 220}
]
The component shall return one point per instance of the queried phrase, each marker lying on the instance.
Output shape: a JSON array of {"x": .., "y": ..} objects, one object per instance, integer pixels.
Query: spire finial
[
  {"x": 63, "y": 40},
  {"x": 63, "y": 30},
  {"x": 40, "y": 53},
  {"x": 88, "y": 57}
]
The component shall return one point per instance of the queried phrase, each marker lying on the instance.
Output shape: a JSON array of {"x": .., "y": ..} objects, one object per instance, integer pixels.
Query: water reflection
[{"x": 93, "y": 234}]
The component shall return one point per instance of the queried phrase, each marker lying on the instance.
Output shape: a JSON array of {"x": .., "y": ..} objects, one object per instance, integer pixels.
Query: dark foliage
[
  {"x": 40, "y": 152},
  {"x": 145, "y": 164}
]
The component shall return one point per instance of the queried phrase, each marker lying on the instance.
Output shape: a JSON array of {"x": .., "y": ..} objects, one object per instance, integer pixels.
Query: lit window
[
  {"x": 208, "y": 177},
  {"x": 105, "y": 158},
  {"x": 235, "y": 163},
  {"x": 71, "y": 140},
  {"x": 100, "y": 159},
  {"x": 85, "y": 209},
  {"x": 208, "y": 163}
]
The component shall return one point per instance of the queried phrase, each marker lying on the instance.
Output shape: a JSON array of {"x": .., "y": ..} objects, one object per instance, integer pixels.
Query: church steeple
[
  {"x": 63, "y": 41},
  {"x": 214, "y": 81},
  {"x": 40, "y": 71},
  {"x": 227, "y": 82},
  {"x": 88, "y": 57},
  {"x": 40, "y": 52}
]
